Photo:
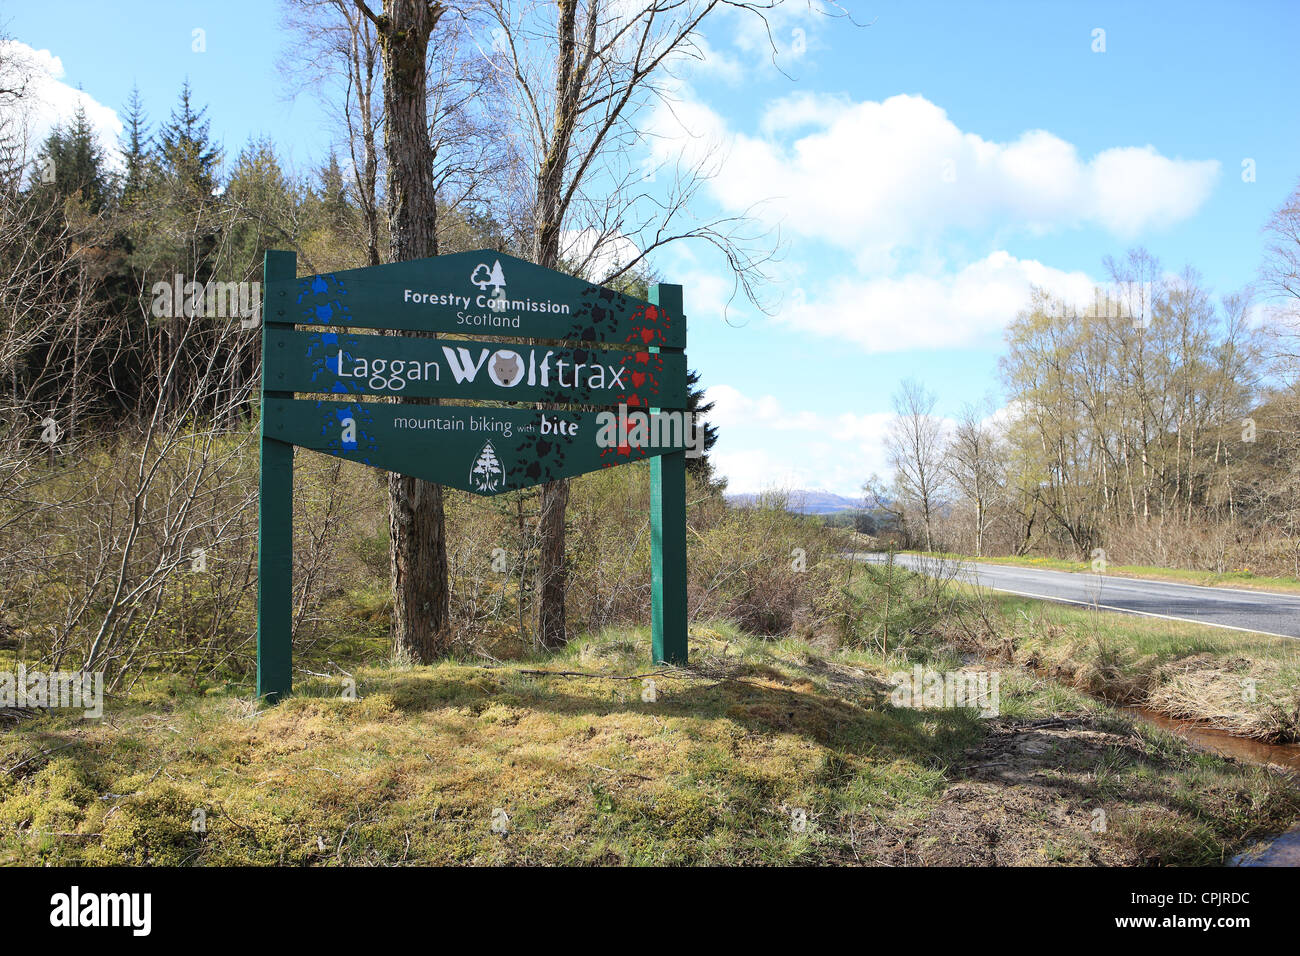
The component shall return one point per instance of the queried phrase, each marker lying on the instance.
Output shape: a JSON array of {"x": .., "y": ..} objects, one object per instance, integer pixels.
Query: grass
[
  {"x": 1242, "y": 683},
  {"x": 1240, "y": 578},
  {"x": 460, "y": 763}
]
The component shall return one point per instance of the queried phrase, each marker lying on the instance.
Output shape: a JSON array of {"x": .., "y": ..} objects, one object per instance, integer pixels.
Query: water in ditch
[{"x": 1281, "y": 850}]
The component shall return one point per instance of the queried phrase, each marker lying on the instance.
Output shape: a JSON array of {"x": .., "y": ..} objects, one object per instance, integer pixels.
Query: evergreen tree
[
  {"x": 334, "y": 202},
  {"x": 260, "y": 201},
  {"x": 75, "y": 162},
  {"x": 695, "y": 403},
  {"x": 331, "y": 233},
  {"x": 136, "y": 149},
  {"x": 178, "y": 227},
  {"x": 186, "y": 152}
]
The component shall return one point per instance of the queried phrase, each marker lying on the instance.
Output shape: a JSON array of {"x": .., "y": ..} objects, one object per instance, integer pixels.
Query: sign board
[
  {"x": 339, "y": 363},
  {"x": 473, "y": 293},
  {"x": 369, "y": 398},
  {"x": 486, "y": 450}
]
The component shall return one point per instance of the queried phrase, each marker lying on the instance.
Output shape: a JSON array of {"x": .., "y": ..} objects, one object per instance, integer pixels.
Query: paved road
[{"x": 1261, "y": 611}]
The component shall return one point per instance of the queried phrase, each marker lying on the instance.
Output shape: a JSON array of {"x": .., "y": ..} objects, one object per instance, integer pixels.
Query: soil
[{"x": 1028, "y": 796}]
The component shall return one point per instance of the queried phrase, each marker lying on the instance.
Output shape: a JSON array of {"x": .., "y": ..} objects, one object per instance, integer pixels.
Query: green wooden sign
[
  {"x": 340, "y": 363},
  {"x": 473, "y": 293},
  {"x": 638, "y": 378},
  {"x": 486, "y": 450}
]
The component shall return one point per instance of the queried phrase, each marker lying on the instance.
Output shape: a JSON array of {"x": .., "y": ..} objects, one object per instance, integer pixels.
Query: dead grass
[{"x": 1243, "y": 684}]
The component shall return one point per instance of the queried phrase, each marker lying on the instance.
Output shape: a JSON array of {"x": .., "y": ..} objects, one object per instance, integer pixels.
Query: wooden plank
[
  {"x": 487, "y": 450},
  {"x": 353, "y": 364},
  {"x": 474, "y": 293}
]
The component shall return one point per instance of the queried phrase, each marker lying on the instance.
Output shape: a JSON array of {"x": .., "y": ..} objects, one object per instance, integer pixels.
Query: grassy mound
[{"x": 758, "y": 753}]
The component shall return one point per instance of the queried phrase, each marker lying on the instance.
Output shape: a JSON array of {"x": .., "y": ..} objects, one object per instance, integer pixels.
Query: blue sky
[{"x": 923, "y": 170}]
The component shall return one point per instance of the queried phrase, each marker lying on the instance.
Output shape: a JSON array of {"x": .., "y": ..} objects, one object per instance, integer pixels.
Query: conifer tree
[
  {"x": 259, "y": 203},
  {"x": 697, "y": 406},
  {"x": 75, "y": 161},
  {"x": 137, "y": 151},
  {"x": 186, "y": 152},
  {"x": 335, "y": 202}
]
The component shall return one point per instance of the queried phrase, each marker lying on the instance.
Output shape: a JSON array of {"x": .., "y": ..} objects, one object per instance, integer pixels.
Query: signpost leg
[
  {"x": 668, "y": 529},
  {"x": 274, "y": 519}
]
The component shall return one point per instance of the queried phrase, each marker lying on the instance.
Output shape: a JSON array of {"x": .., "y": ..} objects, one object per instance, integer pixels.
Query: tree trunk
[
  {"x": 417, "y": 546},
  {"x": 553, "y": 577},
  {"x": 551, "y": 571}
]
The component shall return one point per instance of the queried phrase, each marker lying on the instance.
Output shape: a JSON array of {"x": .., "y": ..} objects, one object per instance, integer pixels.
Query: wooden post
[
  {"x": 275, "y": 508},
  {"x": 668, "y": 527}
]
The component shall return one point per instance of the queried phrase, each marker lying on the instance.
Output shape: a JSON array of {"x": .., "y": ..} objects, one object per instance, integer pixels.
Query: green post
[
  {"x": 274, "y": 509},
  {"x": 668, "y": 527}
]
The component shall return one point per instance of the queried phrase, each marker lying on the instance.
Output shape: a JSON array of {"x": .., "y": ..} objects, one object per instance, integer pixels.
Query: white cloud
[
  {"x": 763, "y": 445},
  {"x": 1000, "y": 419},
  {"x": 48, "y": 101},
  {"x": 793, "y": 29},
  {"x": 702, "y": 59},
  {"x": 598, "y": 253},
  {"x": 759, "y": 469},
  {"x": 710, "y": 288},
  {"x": 732, "y": 409},
  {"x": 918, "y": 310},
  {"x": 872, "y": 179},
  {"x": 900, "y": 172},
  {"x": 1136, "y": 188},
  {"x": 767, "y": 43}
]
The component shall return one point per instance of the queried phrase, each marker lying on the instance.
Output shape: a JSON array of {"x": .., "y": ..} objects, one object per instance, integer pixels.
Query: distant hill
[{"x": 803, "y": 501}]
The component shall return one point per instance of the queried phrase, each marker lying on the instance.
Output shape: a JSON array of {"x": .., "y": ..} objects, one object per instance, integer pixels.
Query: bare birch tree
[
  {"x": 336, "y": 49},
  {"x": 576, "y": 77},
  {"x": 915, "y": 445},
  {"x": 974, "y": 463},
  {"x": 1281, "y": 271}
]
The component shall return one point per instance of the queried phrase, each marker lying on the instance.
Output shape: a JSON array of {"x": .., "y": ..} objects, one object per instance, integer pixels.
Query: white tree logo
[
  {"x": 483, "y": 277},
  {"x": 487, "y": 473}
]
